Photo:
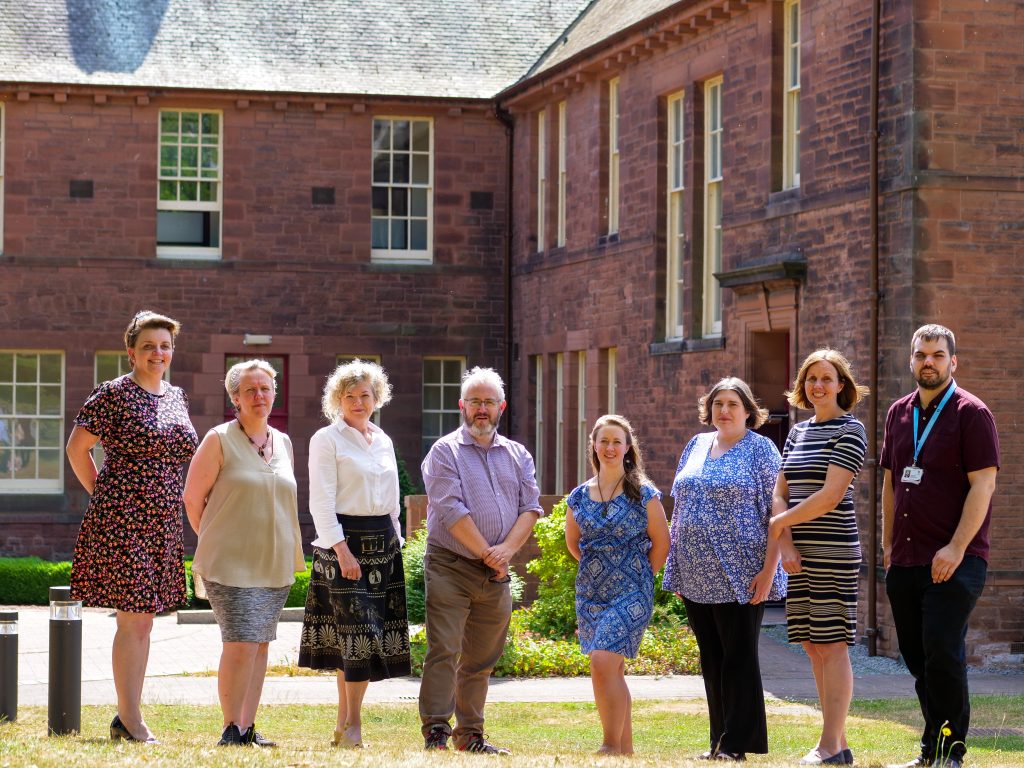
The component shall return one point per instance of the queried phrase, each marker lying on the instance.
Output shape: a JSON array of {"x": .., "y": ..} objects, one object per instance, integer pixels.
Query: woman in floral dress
[
  {"x": 615, "y": 526},
  {"x": 129, "y": 555},
  {"x": 722, "y": 563}
]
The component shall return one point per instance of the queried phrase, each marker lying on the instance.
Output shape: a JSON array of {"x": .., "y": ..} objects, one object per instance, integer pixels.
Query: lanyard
[{"x": 918, "y": 444}]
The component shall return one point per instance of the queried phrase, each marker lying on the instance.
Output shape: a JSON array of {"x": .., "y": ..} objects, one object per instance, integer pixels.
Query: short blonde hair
[
  {"x": 851, "y": 393},
  {"x": 347, "y": 376},
  {"x": 233, "y": 378},
  {"x": 147, "y": 319}
]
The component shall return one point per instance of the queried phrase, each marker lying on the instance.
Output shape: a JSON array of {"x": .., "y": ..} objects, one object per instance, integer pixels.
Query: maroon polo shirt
[{"x": 964, "y": 439}]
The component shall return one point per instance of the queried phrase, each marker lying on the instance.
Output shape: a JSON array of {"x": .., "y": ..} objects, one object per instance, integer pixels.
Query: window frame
[
  {"x": 200, "y": 252},
  {"x": 582, "y": 431},
  {"x": 613, "y": 361},
  {"x": 675, "y": 215},
  {"x": 35, "y": 485},
  {"x": 613, "y": 156},
  {"x": 791, "y": 95},
  {"x": 542, "y": 179},
  {"x": 392, "y": 255},
  {"x": 713, "y": 181},
  {"x": 562, "y": 173},
  {"x": 559, "y": 423},
  {"x": 442, "y": 384},
  {"x": 538, "y": 419}
]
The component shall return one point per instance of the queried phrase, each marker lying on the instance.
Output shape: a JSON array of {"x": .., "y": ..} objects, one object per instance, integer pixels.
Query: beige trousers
[{"x": 467, "y": 622}]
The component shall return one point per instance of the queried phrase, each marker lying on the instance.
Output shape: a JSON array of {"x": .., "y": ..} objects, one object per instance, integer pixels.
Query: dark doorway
[{"x": 770, "y": 377}]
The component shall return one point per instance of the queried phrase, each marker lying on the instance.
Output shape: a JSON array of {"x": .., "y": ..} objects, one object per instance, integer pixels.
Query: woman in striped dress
[{"x": 813, "y": 517}]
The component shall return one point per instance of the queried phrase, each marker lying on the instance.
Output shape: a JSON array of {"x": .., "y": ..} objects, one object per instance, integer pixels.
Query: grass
[{"x": 667, "y": 732}]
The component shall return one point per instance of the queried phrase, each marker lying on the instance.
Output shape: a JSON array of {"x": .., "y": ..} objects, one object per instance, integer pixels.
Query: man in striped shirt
[{"x": 482, "y": 504}]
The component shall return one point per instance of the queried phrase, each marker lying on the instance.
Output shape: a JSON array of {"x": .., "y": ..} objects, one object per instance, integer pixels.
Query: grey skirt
[{"x": 246, "y": 614}]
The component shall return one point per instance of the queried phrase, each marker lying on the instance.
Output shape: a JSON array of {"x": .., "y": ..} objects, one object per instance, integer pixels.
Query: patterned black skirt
[{"x": 358, "y": 625}]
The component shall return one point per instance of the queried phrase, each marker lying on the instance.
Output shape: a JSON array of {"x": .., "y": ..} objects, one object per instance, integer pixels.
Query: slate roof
[
  {"x": 427, "y": 48},
  {"x": 601, "y": 20}
]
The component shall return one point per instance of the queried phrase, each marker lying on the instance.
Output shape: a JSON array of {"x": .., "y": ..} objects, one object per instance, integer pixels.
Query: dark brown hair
[
  {"x": 756, "y": 415},
  {"x": 934, "y": 331}
]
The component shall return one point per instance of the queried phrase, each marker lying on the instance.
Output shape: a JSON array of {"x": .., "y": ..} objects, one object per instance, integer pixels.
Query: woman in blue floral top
[
  {"x": 722, "y": 563},
  {"x": 615, "y": 526}
]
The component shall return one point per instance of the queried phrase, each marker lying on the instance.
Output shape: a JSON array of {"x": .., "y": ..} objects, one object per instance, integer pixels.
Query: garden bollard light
[
  {"x": 65, "y": 690},
  {"x": 8, "y": 666}
]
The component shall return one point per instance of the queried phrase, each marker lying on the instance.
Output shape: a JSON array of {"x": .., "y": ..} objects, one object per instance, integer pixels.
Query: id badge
[{"x": 912, "y": 475}]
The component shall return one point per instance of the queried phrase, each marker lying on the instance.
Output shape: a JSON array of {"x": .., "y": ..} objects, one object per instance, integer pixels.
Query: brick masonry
[
  {"x": 951, "y": 181},
  {"x": 951, "y": 169}
]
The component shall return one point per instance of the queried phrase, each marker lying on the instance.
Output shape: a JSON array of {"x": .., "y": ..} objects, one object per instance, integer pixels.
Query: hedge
[{"x": 27, "y": 581}]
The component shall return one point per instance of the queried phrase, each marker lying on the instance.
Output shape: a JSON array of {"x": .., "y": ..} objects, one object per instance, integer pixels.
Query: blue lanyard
[{"x": 918, "y": 444}]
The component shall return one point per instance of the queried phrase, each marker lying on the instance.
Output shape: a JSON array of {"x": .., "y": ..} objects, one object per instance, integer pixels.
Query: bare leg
[
  {"x": 614, "y": 704},
  {"x": 350, "y": 708},
  {"x": 817, "y": 668},
  {"x": 233, "y": 678},
  {"x": 255, "y": 690},
  {"x": 835, "y": 704},
  {"x": 129, "y": 657}
]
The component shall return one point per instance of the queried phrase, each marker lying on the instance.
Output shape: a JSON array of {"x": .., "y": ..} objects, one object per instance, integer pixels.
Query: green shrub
[
  {"x": 412, "y": 560},
  {"x": 27, "y": 580},
  {"x": 297, "y": 596},
  {"x": 553, "y": 613},
  {"x": 663, "y": 651}
]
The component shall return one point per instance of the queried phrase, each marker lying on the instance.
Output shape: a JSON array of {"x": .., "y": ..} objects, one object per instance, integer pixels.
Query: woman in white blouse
[{"x": 355, "y": 619}]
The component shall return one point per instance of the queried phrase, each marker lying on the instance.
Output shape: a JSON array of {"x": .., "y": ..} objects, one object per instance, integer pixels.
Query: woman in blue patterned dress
[
  {"x": 813, "y": 504},
  {"x": 615, "y": 526},
  {"x": 722, "y": 563}
]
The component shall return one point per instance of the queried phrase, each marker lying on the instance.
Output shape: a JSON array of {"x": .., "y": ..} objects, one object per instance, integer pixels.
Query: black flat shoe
[
  {"x": 118, "y": 732},
  {"x": 252, "y": 736},
  {"x": 232, "y": 737}
]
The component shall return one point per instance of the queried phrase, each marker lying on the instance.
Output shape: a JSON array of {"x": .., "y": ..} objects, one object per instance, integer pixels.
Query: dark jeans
[
  {"x": 727, "y": 636},
  {"x": 931, "y": 624}
]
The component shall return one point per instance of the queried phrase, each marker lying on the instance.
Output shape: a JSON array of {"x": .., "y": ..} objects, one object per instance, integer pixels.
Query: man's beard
[
  {"x": 937, "y": 383},
  {"x": 477, "y": 429}
]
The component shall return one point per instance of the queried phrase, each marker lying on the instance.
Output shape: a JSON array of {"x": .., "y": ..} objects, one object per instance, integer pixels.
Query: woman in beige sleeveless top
[{"x": 240, "y": 496}]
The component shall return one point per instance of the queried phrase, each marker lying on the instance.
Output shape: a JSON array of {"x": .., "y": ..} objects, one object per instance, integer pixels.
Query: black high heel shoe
[{"x": 118, "y": 732}]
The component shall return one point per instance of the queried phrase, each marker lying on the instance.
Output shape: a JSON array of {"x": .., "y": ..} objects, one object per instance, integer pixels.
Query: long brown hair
[{"x": 632, "y": 462}]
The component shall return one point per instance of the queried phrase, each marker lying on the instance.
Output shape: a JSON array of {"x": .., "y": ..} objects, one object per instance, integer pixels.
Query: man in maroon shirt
[{"x": 941, "y": 456}]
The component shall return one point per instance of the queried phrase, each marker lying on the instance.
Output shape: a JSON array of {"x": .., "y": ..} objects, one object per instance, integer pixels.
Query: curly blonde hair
[{"x": 345, "y": 377}]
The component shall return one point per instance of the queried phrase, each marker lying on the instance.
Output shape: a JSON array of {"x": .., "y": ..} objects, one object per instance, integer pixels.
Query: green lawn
[{"x": 667, "y": 732}]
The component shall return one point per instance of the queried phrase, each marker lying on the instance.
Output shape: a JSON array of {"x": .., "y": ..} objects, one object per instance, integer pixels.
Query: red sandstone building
[{"x": 615, "y": 204}]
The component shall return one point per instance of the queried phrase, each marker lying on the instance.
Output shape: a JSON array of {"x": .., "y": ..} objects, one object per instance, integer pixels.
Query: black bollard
[
  {"x": 8, "y": 666},
  {"x": 65, "y": 690}
]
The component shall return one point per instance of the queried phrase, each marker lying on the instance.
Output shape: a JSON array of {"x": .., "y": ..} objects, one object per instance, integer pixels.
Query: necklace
[
  {"x": 611, "y": 496},
  {"x": 260, "y": 449}
]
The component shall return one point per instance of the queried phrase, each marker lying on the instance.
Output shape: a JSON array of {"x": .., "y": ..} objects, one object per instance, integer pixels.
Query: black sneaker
[
  {"x": 437, "y": 738},
  {"x": 252, "y": 736},
  {"x": 479, "y": 743},
  {"x": 232, "y": 737}
]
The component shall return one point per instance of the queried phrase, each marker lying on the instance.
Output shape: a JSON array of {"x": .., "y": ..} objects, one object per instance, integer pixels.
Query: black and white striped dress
[{"x": 822, "y": 603}]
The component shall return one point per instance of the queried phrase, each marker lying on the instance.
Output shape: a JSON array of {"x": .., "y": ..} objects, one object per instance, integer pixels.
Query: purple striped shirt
[{"x": 492, "y": 485}]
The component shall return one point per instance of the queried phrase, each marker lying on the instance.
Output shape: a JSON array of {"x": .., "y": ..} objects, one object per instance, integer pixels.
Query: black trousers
[
  {"x": 931, "y": 624},
  {"x": 727, "y": 636}
]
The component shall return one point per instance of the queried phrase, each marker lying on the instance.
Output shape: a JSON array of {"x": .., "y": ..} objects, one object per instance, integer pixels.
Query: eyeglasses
[{"x": 475, "y": 403}]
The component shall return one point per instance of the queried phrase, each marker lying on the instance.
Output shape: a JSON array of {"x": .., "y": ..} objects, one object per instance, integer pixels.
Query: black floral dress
[{"x": 129, "y": 553}]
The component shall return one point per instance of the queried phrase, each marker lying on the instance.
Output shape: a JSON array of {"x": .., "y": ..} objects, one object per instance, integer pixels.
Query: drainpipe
[
  {"x": 506, "y": 120},
  {"x": 872, "y": 458}
]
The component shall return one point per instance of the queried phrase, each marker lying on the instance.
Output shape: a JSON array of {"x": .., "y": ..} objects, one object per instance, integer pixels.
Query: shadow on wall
[{"x": 113, "y": 35}]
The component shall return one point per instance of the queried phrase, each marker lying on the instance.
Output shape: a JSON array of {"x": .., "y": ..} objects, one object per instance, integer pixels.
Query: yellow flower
[{"x": 946, "y": 732}]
